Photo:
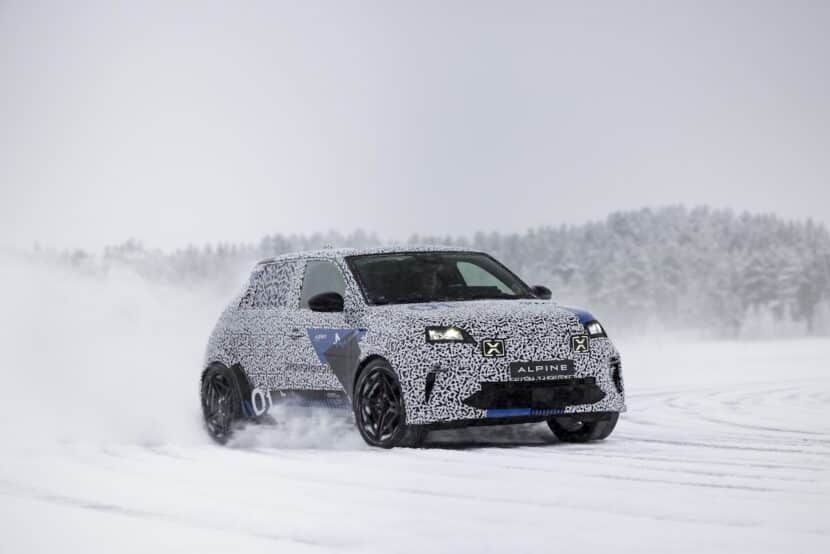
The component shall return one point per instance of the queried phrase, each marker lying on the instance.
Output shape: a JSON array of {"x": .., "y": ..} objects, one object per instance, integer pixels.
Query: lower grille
[{"x": 536, "y": 395}]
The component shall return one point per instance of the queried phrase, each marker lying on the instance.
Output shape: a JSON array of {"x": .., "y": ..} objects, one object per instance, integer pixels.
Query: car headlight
[
  {"x": 447, "y": 334},
  {"x": 595, "y": 329}
]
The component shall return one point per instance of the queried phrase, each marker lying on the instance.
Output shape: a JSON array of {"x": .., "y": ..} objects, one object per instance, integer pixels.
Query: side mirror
[
  {"x": 541, "y": 292},
  {"x": 326, "y": 302}
]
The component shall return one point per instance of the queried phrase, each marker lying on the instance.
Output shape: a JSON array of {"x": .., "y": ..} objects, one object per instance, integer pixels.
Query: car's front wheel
[
  {"x": 575, "y": 429},
  {"x": 379, "y": 410}
]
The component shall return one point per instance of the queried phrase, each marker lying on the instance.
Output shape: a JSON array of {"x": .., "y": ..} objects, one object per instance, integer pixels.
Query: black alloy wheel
[
  {"x": 221, "y": 403},
  {"x": 379, "y": 409}
]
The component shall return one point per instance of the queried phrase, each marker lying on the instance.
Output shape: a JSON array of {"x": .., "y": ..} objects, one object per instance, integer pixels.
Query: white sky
[{"x": 195, "y": 122}]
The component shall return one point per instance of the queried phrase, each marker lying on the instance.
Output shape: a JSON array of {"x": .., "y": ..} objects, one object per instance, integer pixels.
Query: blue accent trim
[
  {"x": 247, "y": 409},
  {"x": 584, "y": 317},
  {"x": 323, "y": 339},
  {"x": 508, "y": 412}
]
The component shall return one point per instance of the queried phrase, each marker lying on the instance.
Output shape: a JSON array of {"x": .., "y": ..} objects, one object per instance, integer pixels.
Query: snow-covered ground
[{"x": 725, "y": 448}]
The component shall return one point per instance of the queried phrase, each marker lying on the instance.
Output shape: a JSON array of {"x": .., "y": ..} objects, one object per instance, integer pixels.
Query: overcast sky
[{"x": 194, "y": 122}]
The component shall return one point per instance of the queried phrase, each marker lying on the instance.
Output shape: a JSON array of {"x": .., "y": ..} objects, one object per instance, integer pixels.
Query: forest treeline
[{"x": 670, "y": 268}]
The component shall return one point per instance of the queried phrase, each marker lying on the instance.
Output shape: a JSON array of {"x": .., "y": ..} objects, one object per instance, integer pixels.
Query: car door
[
  {"x": 266, "y": 317},
  {"x": 327, "y": 343}
]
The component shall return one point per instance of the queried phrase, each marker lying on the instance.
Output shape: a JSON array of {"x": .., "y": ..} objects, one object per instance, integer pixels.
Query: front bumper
[{"x": 462, "y": 388}]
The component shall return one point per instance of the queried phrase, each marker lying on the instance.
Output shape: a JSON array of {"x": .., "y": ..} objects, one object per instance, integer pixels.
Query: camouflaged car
[{"x": 410, "y": 340}]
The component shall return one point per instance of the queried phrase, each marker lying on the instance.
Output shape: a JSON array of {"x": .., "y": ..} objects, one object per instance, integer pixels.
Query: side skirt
[{"x": 331, "y": 399}]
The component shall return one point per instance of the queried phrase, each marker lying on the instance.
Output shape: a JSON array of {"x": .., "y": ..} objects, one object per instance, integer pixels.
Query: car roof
[{"x": 339, "y": 253}]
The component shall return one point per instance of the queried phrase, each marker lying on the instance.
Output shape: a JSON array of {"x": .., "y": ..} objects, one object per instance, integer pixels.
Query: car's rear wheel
[
  {"x": 221, "y": 402},
  {"x": 575, "y": 429},
  {"x": 379, "y": 409}
]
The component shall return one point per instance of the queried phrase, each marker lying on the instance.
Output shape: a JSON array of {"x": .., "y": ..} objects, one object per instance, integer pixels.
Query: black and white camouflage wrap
[{"x": 267, "y": 334}]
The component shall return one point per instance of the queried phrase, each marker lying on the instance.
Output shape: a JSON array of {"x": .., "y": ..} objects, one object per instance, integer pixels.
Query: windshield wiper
[
  {"x": 406, "y": 299},
  {"x": 489, "y": 296}
]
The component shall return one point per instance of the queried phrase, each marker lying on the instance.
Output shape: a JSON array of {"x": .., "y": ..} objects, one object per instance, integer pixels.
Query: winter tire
[
  {"x": 574, "y": 429},
  {"x": 221, "y": 402},
  {"x": 379, "y": 409}
]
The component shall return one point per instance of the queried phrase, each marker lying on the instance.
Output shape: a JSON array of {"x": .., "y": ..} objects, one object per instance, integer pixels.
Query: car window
[
  {"x": 476, "y": 276},
  {"x": 321, "y": 276},
  {"x": 271, "y": 286}
]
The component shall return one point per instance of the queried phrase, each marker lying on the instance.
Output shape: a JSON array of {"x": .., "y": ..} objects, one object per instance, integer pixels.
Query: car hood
[{"x": 484, "y": 316}]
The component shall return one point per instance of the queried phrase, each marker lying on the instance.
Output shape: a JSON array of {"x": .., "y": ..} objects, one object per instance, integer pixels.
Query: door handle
[{"x": 296, "y": 333}]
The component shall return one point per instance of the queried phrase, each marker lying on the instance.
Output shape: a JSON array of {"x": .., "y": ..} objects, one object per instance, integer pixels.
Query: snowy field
[{"x": 725, "y": 448}]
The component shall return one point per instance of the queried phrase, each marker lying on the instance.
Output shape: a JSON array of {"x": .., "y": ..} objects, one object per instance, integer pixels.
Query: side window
[
  {"x": 321, "y": 276},
  {"x": 476, "y": 276},
  {"x": 271, "y": 286}
]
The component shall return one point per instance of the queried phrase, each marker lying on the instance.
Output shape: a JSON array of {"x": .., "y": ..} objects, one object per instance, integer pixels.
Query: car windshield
[{"x": 409, "y": 277}]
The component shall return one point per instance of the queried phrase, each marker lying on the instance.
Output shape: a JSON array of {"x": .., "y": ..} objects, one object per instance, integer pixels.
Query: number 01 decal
[{"x": 260, "y": 401}]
